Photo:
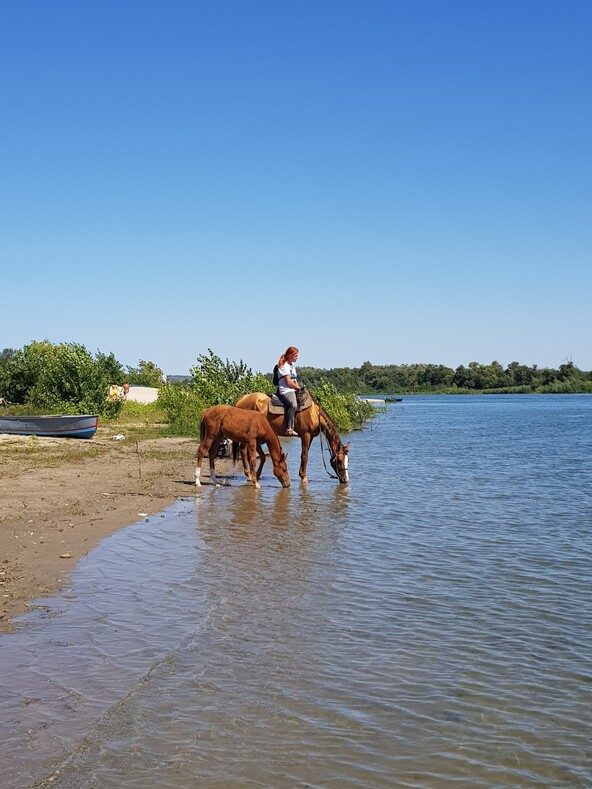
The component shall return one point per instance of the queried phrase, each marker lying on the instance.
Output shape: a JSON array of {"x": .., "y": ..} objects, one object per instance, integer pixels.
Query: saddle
[{"x": 303, "y": 399}]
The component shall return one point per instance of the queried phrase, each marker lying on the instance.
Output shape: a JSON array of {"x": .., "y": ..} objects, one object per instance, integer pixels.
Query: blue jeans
[{"x": 291, "y": 405}]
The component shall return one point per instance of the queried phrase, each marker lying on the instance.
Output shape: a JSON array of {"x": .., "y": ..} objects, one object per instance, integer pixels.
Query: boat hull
[{"x": 84, "y": 426}]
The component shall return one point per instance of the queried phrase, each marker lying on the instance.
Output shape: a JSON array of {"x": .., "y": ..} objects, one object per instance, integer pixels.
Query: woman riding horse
[{"x": 308, "y": 423}]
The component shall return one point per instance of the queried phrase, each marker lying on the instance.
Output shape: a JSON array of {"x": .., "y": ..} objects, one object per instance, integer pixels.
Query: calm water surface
[{"x": 429, "y": 625}]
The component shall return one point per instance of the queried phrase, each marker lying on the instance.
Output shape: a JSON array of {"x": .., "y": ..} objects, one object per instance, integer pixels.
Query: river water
[{"x": 429, "y": 625}]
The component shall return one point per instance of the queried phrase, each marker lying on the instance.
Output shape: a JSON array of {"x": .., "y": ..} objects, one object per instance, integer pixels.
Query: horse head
[
  {"x": 340, "y": 461},
  {"x": 280, "y": 469}
]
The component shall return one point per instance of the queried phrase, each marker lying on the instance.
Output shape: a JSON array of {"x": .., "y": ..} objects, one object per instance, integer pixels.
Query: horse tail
[{"x": 235, "y": 452}]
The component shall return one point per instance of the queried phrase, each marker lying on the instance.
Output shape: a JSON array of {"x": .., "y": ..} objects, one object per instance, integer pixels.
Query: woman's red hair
[{"x": 290, "y": 351}]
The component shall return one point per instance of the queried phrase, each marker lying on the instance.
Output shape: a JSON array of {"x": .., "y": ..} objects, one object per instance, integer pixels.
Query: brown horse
[
  {"x": 249, "y": 429},
  {"x": 308, "y": 424}
]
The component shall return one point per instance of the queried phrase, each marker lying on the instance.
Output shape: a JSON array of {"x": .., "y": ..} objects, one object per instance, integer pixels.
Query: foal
[{"x": 250, "y": 428}]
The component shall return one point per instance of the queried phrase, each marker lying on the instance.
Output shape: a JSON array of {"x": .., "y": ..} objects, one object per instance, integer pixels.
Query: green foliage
[
  {"x": 347, "y": 412},
  {"x": 61, "y": 378},
  {"x": 111, "y": 409},
  {"x": 214, "y": 382},
  {"x": 66, "y": 378},
  {"x": 418, "y": 378},
  {"x": 147, "y": 412},
  {"x": 6, "y": 355},
  {"x": 139, "y": 421},
  {"x": 145, "y": 374},
  {"x": 217, "y": 382},
  {"x": 183, "y": 407},
  {"x": 360, "y": 411}
]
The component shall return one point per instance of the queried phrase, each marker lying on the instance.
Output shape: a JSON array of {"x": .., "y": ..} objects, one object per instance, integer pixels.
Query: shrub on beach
[
  {"x": 213, "y": 382},
  {"x": 183, "y": 407},
  {"x": 346, "y": 410},
  {"x": 67, "y": 379},
  {"x": 62, "y": 378},
  {"x": 145, "y": 374},
  {"x": 219, "y": 383}
]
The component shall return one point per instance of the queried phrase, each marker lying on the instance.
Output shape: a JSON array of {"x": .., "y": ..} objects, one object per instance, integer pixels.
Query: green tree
[
  {"x": 145, "y": 374},
  {"x": 568, "y": 371},
  {"x": 217, "y": 382},
  {"x": 346, "y": 410},
  {"x": 61, "y": 378},
  {"x": 6, "y": 355}
]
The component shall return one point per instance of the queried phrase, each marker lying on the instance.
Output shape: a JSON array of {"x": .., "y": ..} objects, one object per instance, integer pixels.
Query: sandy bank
[{"x": 59, "y": 497}]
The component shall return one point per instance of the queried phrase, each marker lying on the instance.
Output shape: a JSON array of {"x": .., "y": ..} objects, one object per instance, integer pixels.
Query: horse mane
[{"x": 328, "y": 426}]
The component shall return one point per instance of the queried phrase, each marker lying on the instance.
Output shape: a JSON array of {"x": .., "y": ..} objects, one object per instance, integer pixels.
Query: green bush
[
  {"x": 61, "y": 378},
  {"x": 217, "y": 382},
  {"x": 213, "y": 382},
  {"x": 147, "y": 412},
  {"x": 359, "y": 410},
  {"x": 66, "y": 378},
  {"x": 145, "y": 374},
  {"x": 347, "y": 411},
  {"x": 183, "y": 407}
]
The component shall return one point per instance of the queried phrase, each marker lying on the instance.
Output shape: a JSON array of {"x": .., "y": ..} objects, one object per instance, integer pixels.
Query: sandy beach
[{"x": 60, "y": 497}]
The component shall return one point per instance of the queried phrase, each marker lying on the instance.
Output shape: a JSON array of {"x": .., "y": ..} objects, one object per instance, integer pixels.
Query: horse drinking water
[
  {"x": 244, "y": 427},
  {"x": 308, "y": 424}
]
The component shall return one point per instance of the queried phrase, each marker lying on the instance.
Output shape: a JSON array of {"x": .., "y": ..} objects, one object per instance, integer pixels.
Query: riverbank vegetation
[
  {"x": 68, "y": 379},
  {"x": 214, "y": 382}
]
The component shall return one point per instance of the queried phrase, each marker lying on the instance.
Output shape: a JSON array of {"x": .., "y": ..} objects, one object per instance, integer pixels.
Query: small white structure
[{"x": 142, "y": 394}]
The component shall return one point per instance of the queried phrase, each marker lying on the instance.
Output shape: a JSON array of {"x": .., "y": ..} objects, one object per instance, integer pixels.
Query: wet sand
[{"x": 60, "y": 497}]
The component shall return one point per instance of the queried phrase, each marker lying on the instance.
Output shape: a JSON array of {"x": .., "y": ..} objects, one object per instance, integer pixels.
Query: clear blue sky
[{"x": 392, "y": 181}]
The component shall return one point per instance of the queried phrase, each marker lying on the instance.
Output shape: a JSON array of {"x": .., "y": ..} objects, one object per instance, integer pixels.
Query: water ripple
[{"x": 428, "y": 626}]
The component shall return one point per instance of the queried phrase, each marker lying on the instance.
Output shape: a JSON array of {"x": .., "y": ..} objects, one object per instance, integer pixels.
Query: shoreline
[{"x": 61, "y": 497}]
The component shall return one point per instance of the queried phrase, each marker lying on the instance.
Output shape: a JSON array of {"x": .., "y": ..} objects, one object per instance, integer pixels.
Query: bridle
[{"x": 333, "y": 456}]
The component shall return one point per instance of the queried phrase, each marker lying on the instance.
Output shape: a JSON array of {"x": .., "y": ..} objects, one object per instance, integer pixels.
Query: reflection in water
[{"x": 418, "y": 630}]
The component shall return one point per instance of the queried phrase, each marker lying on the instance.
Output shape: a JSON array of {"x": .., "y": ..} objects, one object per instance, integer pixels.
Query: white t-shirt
[{"x": 284, "y": 370}]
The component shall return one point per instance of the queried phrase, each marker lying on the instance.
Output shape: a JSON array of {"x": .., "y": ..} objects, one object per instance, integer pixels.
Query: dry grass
[{"x": 138, "y": 424}]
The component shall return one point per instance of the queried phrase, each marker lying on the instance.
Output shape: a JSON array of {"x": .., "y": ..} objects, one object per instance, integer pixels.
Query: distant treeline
[{"x": 437, "y": 378}]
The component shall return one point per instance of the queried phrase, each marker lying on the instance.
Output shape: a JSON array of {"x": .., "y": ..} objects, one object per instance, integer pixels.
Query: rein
[{"x": 321, "y": 433}]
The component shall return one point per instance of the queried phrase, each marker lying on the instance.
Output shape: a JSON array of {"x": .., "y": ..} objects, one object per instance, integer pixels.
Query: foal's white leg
[
  {"x": 198, "y": 461},
  {"x": 203, "y": 448}
]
